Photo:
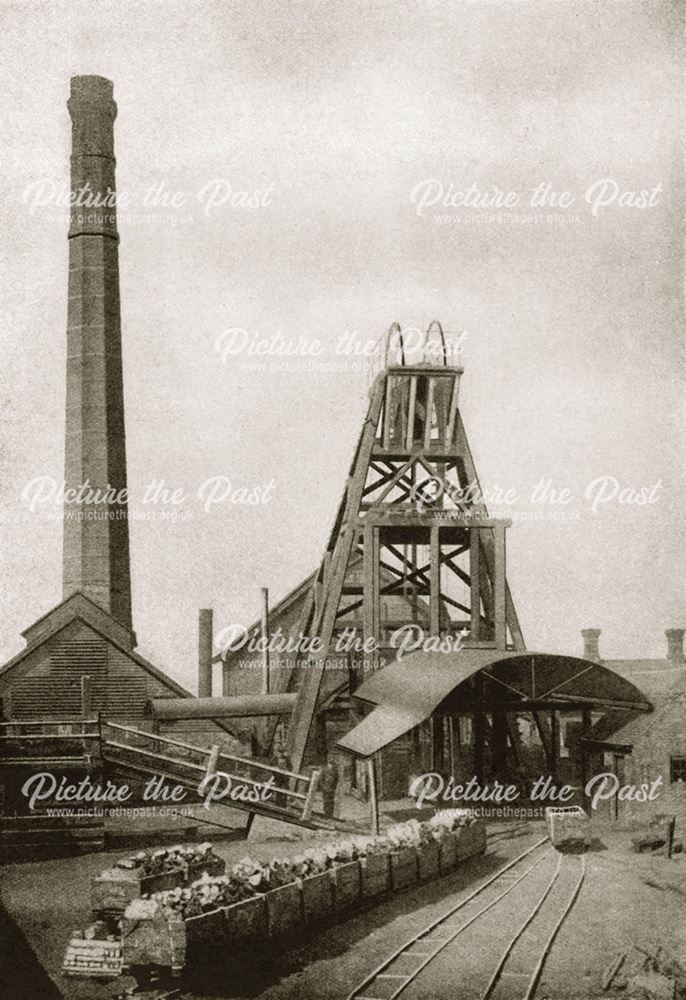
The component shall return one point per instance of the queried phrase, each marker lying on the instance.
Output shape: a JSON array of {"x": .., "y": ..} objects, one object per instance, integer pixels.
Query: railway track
[{"x": 493, "y": 944}]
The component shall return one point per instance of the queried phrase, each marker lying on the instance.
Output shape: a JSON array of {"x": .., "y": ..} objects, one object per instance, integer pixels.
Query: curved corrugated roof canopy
[{"x": 409, "y": 691}]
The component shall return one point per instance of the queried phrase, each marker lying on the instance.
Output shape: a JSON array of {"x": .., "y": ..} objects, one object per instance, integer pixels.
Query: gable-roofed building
[
  {"x": 80, "y": 667},
  {"x": 90, "y": 633},
  {"x": 80, "y": 662}
]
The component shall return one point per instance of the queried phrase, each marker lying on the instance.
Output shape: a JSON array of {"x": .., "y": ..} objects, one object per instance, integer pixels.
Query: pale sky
[{"x": 334, "y": 113}]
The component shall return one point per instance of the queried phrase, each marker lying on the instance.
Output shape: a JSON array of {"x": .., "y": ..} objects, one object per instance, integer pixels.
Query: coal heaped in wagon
[{"x": 391, "y": 863}]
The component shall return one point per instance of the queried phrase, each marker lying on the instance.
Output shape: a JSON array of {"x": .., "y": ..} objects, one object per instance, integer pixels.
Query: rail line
[
  {"x": 518, "y": 967},
  {"x": 501, "y": 988}
]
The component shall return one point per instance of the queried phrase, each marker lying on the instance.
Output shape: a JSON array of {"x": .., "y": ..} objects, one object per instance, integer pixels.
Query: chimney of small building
[
  {"x": 205, "y": 630},
  {"x": 96, "y": 530},
  {"x": 264, "y": 629},
  {"x": 591, "y": 637},
  {"x": 675, "y": 644}
]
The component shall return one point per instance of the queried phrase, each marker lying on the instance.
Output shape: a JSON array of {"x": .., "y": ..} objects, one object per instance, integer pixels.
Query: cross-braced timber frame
[{"x": 412, "y": 543}]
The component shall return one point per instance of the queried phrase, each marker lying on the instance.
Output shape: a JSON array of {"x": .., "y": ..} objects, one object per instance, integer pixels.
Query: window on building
[{"x": 677, "y": 769}]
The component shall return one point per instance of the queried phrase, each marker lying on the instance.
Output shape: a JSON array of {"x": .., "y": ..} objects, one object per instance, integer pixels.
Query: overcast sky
[{"x": 336, "y": 116}]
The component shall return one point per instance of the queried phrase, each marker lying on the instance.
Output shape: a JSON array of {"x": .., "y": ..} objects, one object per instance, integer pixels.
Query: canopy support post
[
  {"x": 554, "y": 744},
  {"x": 479, "y": 729}
]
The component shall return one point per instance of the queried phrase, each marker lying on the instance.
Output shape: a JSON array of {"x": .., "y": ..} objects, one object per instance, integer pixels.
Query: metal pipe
[{"x": 246, "y": 706}]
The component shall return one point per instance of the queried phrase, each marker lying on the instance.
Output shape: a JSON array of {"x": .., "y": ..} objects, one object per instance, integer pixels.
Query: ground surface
[{"x": 626, "y": 899}]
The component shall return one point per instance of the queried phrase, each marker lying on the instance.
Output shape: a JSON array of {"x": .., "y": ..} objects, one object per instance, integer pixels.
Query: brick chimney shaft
[
  {"x": 675, "y": 644},
  {"x": 591, "y": 637},
  {"x": 96, "y": 531}
]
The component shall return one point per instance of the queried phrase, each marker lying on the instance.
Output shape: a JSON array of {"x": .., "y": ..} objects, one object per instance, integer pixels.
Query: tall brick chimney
[
  {"x": 96, "y": 530},
  {"x": 591, "y": 637},
  {"x": 675, "y": 644}
]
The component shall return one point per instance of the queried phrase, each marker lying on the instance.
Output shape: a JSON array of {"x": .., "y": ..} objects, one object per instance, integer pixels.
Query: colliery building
[
  {"x": 412, "y": 548},
  {"x": 407, "y": 551}
]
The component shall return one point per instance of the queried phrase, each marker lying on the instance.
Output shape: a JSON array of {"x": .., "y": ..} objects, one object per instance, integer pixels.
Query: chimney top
[
  {"x": 91, "y": 88},
  {"x": 591, "y": 637},
  {"x": 92, "y": 110},
  {"x": 675, "y": 644}
]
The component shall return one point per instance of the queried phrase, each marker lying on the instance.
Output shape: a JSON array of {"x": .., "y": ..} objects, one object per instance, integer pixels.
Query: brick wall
[{"x": 661, "y": 736}]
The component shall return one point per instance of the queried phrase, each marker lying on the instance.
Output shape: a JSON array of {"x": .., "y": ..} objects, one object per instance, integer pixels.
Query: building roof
[
  {"x": 661, "y": 681},
  {"x": 78, "y": 606},
  {"x": 408, "y": 691},
  {"x": 654, "y": 677}
]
